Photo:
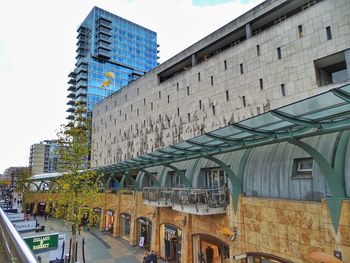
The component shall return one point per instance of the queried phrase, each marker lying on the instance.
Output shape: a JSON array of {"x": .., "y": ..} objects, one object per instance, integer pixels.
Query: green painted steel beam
[
  {"x": 237, "y": 188},
  {"x": 341, "y": 94},
  {"x": 243, "y": 163},
  {"x": 185, "y": 180},
  {"x": 333, "y": 179},
  {"x": 294, "y": 120},
  {"x": 223, "y": 139},
  {"x": 253, "y": 131},
  {"x": 340, "y": 156},
  {"x": 155, "y": 181}
]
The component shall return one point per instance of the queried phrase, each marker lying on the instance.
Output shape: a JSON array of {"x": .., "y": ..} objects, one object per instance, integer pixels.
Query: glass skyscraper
[{"x": 108, "y": 43}]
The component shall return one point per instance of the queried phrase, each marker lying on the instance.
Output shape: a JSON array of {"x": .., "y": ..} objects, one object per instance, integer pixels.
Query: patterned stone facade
[{"x": 241, "y": 81}]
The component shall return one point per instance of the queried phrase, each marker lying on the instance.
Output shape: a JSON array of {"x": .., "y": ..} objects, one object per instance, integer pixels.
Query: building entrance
[
  {"x": 125, "y": 226},
  {"x": 209, "y": 249},
  {"x": 41, "y": 209},
  {"x": 109, "y": 221},
  {"x": 144, "y": 232},
  {"x": 170, "y": 237}
]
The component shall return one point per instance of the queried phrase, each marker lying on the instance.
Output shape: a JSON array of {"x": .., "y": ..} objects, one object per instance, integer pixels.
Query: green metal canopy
[{"x": 324, "y": 113}]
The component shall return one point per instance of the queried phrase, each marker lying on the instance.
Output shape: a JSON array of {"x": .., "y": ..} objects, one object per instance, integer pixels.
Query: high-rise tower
[{"x": 108, "y": 43}]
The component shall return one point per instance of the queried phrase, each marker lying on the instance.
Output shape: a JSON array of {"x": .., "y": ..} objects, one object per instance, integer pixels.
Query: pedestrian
[
  {"x": 45, "y": 216},
  {"x": 153, "y": 257},
  {"x": 34, "y": 215}
]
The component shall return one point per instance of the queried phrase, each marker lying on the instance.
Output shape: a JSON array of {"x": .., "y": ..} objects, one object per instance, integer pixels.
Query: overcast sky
[{"x": 37, "y": 51}]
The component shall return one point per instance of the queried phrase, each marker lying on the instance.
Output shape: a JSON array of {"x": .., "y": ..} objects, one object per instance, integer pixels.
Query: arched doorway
[
  {"x": 125, "y": 222},
  {"x": 41, "y": 208},
  {"x": 209, "y": 249},
  {"x": 144, "y": 232},
  {"x": 109, "y": 221},
  {"x": 170, "y": 243},
  {"x": 257, "y": 257}
]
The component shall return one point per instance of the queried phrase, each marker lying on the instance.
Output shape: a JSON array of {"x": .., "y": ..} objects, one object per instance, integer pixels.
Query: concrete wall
[{"x": 137, "y": 119}]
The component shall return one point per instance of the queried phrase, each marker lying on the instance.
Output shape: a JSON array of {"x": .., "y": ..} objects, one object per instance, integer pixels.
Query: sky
[{"x": 37, "y": 52}]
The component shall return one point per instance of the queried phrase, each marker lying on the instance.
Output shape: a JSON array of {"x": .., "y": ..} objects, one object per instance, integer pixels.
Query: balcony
[
  {"x": 159, "y": 197},
  {"x": 103, "y": 38},
  {"x": 200, "y": 201},
  {"x": 103, "y": 53},
  {"x": 103, "y": 22},
  {"x": 72, "y": 81},
  {"x": 71, "y": 109},
  {"x": 104, "y": 31},
  {"x": 71, "y": 88},
  {"x": 81, "y": 61},
  {"x": 81, "y": 76},
  {"x": 81, "y": 101},
  {"x": 81, "y": 84},
  {"x": 81, "y": 93},
  {"x": 71, "y": 102},
  {"x": 71, "y": 95},
  {"x": 103, "y": 45},
  {"x": 72, "y": 74}
]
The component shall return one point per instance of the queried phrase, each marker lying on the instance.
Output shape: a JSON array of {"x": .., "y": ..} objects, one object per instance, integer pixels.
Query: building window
[
  {"x": 302, "y": 168},
  {"x": 212, "y": 80},
  {"x": 241, "y": 67},
  {"x": 138, "y": 91},
  {"x": 331, "y": 69},
  {"x": 115, "y": 121},
  {"x": 188, "y": 91},
  {"x": 227, "y": 96},
  {"x": 257, "y": 50},
  {"x": 177, "y": 86},
  {"x": 168, "y": 98},
  {"x": 138, "y": 112},
  {"x": 159, "y": 95},
  {"x": 258, "y": 111},
  {"x": 225, "y": 65},
  {"x": 283, "y": 90},
  {"x": 178, "y": 111},
  {"x": 115, "y": 103},
  {"x": 125, "y": 116},
  {"x": 131, "y": 107},
  {"x": 151, "y": 105},
  {"x": 120, "y": 112},
  {"x": 200, "y": 104},
  {"x": 329, "y": 33},
  {"x": 300, "y": 31},
  {"x": 160, "y": 117},
  {"x": 199, "y": 76},
  {"x": 126, "y": 97},
  {"x": 189, "y": 117},
  {"x": 279, "y": 55},
  {"x": 261, "y": 83},
  {"x": 244, "y": 101},
  {"x": 144, "y": 101},
  {"x": 213, "y": 108}
]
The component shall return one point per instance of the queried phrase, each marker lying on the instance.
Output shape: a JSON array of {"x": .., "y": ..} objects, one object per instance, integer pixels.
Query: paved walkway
[{"x": 100, "y": 247}]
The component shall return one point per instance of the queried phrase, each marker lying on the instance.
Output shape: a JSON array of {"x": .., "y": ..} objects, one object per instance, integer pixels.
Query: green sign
[{"x": 42, "y": 242}]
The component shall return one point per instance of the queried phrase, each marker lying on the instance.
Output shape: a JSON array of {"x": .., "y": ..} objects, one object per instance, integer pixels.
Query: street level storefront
[
  {"x": 170, "y": 238},
  {"x": 96, "y": 219},
  {"x": 144, "y": 232},
  {"x": 125, "y": 223},
  {"x": 109, "y": 221},
  {"x": 209, "y": 249}
]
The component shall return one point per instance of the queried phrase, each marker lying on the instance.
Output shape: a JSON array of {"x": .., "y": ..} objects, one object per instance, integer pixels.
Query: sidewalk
[{"x": 100, "y": 247}]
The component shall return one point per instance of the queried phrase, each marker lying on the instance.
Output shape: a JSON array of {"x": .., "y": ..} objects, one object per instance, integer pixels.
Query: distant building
[
  {"x": 108, "y": 43},
  {"x": 15, "y": 173},
  {"x": 43, "y": 157}
]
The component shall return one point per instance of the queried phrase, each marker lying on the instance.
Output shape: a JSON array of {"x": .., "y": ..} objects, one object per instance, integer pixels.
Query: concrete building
[
  {"x": 43, "y": 157},
  {"x": 238, "y": 148},
  {"x": 108, "y": 43},
  {"x": 275, "y": 54}
]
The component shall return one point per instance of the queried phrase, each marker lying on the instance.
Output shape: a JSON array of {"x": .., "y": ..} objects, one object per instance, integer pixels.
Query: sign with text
[
  {"x": 24, "y": 225},
  {"x": 16, "y": 217},
  {"x": 42, "y": 242}
]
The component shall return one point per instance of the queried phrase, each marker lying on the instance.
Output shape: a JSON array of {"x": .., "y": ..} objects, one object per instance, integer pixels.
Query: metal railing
[
  {"x": 161, "y": 195},
  {"x": 211, "y": 198},
  {"x": 15, "y": 247}
]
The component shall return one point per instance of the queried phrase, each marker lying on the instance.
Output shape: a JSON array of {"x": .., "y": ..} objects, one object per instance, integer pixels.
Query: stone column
[
  {"x": 194, "y": 60},
  {"x": 347, "y": 60},
  {"x": 186, "y": 242},
  {"x": 116, "y": 226},
  {"x": 248, "y": 30},
  {"x": 35, "y": 208},
  {"x": 155, "y": 246},
  {"x": 103, "y": 220}
]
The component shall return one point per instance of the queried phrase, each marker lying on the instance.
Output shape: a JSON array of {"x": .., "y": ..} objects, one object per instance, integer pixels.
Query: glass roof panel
[
  {"x": 278, "y": 126},
  {"x": 241, "y": 135},
  {"x": 260, "y": 120},
  {"x": 226, "y": 131},
  {"x": 312, "y": 104},
  {"x": 346, "y": 88},
  {"x": 202, "y": 139},
  {"x": 216, "y": 143},
  {"x": 328, "y": 113}
]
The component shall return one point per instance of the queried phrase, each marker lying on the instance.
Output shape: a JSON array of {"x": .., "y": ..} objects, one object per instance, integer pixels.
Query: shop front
[
  {"x": 96, "y": 218},
  {"x": 109, "y": 221},
  {"x": 170, "y": 247},
  {"x": 41, "y": 208},
  {"x": 125, "y": 221},
  {"x": 144, "y": 232},
  {"x": 209, "y": 249}
]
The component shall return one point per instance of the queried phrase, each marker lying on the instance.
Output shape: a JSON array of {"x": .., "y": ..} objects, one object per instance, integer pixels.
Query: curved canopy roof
[{"x": 320, "y": 114}]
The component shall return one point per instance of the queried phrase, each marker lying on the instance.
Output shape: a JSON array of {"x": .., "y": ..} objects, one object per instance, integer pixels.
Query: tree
[{"x": 78, "y": 186}]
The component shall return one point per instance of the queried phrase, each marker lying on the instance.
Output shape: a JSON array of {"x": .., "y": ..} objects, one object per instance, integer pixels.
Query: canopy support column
[{"x": 184, "y": 179}]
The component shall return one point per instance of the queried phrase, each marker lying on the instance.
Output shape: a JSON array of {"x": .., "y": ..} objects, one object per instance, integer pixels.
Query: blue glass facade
[{"x": 109, "y": 43}]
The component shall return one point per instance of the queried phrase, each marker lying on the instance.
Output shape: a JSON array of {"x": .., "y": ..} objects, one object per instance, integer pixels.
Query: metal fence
[
  {"x": 157, "y": 194},
  {"x": 15, "y": 247}
]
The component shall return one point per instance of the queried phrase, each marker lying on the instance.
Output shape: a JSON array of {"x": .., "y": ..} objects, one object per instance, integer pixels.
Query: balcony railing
[
  {"x": 157, "y": 196},
  {"x": 200, "y": 201}
]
